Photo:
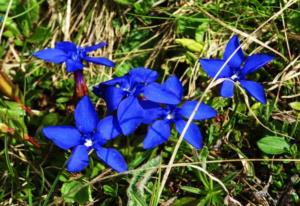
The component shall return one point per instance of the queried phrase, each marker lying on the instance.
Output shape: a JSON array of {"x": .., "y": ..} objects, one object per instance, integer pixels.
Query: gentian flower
[
  {"x": 86, "y": 136},
  {"x": 73, "y": 55},
  {"x": 236, "y": 70},
  {"x": 124, "y": 94},
  {"x": 160, "y": 130}
]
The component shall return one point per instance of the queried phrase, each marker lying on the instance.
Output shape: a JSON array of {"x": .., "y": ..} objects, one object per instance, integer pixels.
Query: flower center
[
  {"x": 127, "y": 89},
  {"x": 170, "y": 116},
  {"x": 234, "y": 77},
  {"x": 88, "y": 143}
]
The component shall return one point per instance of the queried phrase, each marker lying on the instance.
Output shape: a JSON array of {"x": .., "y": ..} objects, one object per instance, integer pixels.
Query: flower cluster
[{"x": 136, "y": 98}]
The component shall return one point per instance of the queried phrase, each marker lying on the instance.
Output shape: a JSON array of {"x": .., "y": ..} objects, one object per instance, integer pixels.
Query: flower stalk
[{"x": 81, "y": 88}]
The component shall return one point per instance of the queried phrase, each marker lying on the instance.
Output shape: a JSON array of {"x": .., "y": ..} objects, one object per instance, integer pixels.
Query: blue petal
[
  {"x": 238, "y": 57},
  {"x": 66, "y": 46},
  {"x": 227, "y": 89},
  {"x": 112, "y": 158},
  {"x": 173, "y": 85},
  {"x": 112, "y": 92},
  {"x": 130, "y": 115},
  {"x": 212, "y": 66},
  {"x": 51, "y": 55},
  {"x": 99, "y": 89},
  {"x": 73, "y": 66},
  {"x": 64, "y": 137},
  {"x": 255, "y": 62},
  {"x": 79, "y": 159},
  {"x": 157, "y": 93},
  {"x": 158, "y": 133},
  {"x": 122, "y": 81},
  {"x": 143, "y": 75},
  {"x": 193, "y": 134},
  {"x": 99, "y": 60},
  {"x": 152, "y": 111},
  {"x": 108, "y": 128},
  {"x": 255, "y": 89},
  {"x": 204, "y": 111},
  {"x": 95, "y": 47},
  {"x": 113, "y": 96},
  {"x": 86, "y": 117}
]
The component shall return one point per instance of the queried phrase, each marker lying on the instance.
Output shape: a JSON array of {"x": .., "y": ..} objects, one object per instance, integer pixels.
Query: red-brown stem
[
  {"x": 32, "y": 141},
  {"x": 80, "y": 86},
  {"x": 23, "y": 106}
]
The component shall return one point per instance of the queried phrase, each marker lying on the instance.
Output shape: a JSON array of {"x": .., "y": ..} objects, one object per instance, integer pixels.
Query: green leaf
[
  {"x": 124, "y": 2},
  {"x": 4, "y": 5},
  {"x": 25, "y": 28},
  {"x": 143, "y": 7},
  {"x": 273, "y": 145},
  {"x": 51, "y": 119},
  {"x": 11, "y": 26},
  {"x": 13, "y": 115},
  {"x": 108, "y": 190},
  {"x": 139, "y": 158},
  {"x": 122, "y": 69},
  {"x": 40, "y": 34},
  {"x": 191, "y": 189},
  {"x": 33, "y": 9},
  {"x": 74, "y": 192},
  {"x": 186, "y": 201},
  {"x": 190, "y": 44},
  {"x": 200, "y": 31},
  {"x": 62, "y": 100},
  {"x": 295, "y": 105}
]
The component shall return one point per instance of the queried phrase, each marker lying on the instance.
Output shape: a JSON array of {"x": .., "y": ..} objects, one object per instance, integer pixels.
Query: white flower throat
[
  {"x": 170, "y": 116},
  {"x": 88, "y": 143}
]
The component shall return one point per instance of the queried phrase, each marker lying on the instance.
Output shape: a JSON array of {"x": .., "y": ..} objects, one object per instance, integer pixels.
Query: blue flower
[
  {"x": 86, "y": 136},
  {"x": 72, "y": 55},
  {"x": 171, "y": 93},
  {"x": 238, "y": 67},
  {"x": 125, "y": 94}
]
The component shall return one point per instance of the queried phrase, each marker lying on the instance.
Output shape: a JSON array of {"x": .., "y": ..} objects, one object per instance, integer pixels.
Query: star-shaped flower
[
  {"x": 86, "y": 136},
  {"x": 171, "y": 91},
  {"x": 236, "y": 70},
  {"x": 125, "y": 94},
  {"x": 73, "y": 55}
]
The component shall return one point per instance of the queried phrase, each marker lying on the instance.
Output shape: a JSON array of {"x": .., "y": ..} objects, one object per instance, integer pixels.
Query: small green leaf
[
  {"x": 186, "y": 201},
  {"x": 124, "y": 2},
  {"x": 108, "y": 190},
  {"x": 34, "y": 8},
  {"x": 62, "y": 100},
  {"x": 71, "y": 194},
  {"x": 295, "y": 105},
  {"x": 39, "y": 35},
  {"x": 51, "y": 119},
  {"x": 26, "y": 30},
  {"x": 191, "y": 189},
  {"x": 122, "y": 69},
  {"x": 190, "y": 44},
  {"x": 200, "y": 31},
  {"x": 273, "y": 145}
]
